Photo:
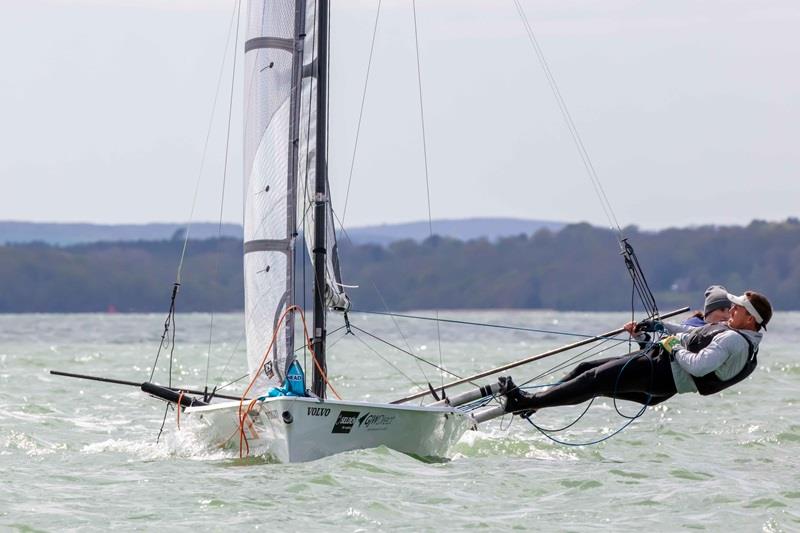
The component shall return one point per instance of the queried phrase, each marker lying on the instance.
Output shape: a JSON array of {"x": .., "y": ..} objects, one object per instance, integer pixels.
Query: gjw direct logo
[
  {"x": 345, "y": 422},
  {"x": 371, "y": 421}
]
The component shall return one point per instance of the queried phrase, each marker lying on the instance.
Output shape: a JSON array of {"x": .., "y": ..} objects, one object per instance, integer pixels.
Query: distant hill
[
  {"x": 461, "y": 229},
  {"x": 64, "y": 234},
  {"x": 576, "y": 268},
  {"x": 67, "y": 234}
]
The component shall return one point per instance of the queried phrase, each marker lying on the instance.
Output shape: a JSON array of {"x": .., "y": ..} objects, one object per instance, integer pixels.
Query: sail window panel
[
  {"x": 266, "y": 294},
  {"x": 268, "y": 71},
  {"x": 274, "y": 18},
  {"x": 266, "y": 210},
  {"x": 268, "y": 89}
]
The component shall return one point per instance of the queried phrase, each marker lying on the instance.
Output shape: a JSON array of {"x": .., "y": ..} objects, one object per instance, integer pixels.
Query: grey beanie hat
[{"x": 716, "y": 298}]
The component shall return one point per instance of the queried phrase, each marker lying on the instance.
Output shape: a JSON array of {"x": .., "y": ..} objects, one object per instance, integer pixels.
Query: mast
[{"x": 320, "y": 201}]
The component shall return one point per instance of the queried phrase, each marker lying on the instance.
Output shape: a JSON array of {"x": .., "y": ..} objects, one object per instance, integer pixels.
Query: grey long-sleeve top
[{"x": 726, "y": 355}]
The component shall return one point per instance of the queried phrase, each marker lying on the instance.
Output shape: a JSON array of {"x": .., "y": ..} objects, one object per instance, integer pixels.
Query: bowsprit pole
[
  {"x": 139, "y": 384},
  {"x": 531, "y": 359}
]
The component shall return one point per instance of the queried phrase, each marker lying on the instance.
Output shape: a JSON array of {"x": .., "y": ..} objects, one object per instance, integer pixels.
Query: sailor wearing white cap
[{"x": 707, "y": 360}]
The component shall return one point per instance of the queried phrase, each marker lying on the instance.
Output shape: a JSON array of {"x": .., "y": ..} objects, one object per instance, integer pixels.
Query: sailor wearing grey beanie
[
  {"x": 716, "y": 308},
  {"x": 716, "y": 298}
]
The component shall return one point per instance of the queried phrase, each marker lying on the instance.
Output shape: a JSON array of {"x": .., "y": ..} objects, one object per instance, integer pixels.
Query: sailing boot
[{"x": 517, "y": 401}]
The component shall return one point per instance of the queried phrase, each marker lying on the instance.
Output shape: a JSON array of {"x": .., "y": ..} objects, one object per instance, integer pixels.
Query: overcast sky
[{"x": 689, "y": 110}]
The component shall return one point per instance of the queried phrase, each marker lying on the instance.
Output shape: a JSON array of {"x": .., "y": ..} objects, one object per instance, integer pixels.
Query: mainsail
[{"x": 280, "y": 154}]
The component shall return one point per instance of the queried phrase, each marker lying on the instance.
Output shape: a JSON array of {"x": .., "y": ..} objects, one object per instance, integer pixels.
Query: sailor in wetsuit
[{"x": 703, "y": 359}]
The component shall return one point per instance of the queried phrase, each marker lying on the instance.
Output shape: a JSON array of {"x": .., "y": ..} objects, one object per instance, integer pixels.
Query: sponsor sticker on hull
[
  {"x": 345, "y": 421},
  {"x": 318, "y": 411},
  {"x": 375, "y": 422}
]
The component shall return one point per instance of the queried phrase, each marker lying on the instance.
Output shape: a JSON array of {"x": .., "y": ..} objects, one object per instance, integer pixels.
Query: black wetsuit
[{"x": 644, "y": 377}]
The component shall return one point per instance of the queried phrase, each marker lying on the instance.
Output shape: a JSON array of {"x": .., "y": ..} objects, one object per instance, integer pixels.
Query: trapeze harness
[{"x": 711, "y": 383}]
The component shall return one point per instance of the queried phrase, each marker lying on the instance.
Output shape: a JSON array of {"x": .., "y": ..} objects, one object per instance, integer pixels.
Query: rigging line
[
  {"x": 564, "y": 428},
  {"x": 373, "y": 350},
  {"x": 415, "y": 356},
  {"x": 334, "y": 343},
  {"x": 579, "y": 357},
  {"x": 240, "y": 378},
  {"x": 305, "y": 287},
  {"x": 163, "y": 422},
  {"x": 589, "y": 443},
  {"x": 172, "y": 347},
  {"x": 639, "y": 280},
  {"x": 584, "y": 154},
  {"x": 399, "y": 330},
  {"x": 402, "y": 335},
  {"x": 633, "y": 318},
  {"x": 205, "y": 147},
  {"x": 248, "y": 321},
  {"x": 300, "y": 222},
  {"x": 425, "y": 157},
  {"x": 230, "y": 358},
  {"x": 546, "y": 432},
  {"x": 380, "y": 296},
  {"x": 567, "y": 117},
  {"x": 481, "y": 324},
  {"x": 574, "y": 360},
  {"x": 361, "y": 111},
  {"x": 224, "y": 176},
  {"x": 168, "y": 322},
  {"x": 328, "y": 103}
]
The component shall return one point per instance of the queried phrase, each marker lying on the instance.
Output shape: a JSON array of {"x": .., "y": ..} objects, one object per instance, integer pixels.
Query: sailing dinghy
[
  {"x": 286, "y": 182},
  {"x": 286, "y": 60}
]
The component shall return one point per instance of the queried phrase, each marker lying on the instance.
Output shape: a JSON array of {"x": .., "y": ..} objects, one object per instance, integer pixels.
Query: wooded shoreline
[{"x": 576, "y": 268}]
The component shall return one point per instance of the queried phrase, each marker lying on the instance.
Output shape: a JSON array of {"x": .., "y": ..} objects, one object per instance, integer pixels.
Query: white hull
[{"x": 293, "y": 429}]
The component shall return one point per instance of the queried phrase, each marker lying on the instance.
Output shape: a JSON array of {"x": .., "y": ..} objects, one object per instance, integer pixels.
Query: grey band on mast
[
  {"x": 269, "y": 42},
  {"x": 268, "y": 245}
]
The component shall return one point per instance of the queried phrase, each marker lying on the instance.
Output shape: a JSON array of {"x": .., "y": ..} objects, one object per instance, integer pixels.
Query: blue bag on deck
[{"x": 293, "y": 385}]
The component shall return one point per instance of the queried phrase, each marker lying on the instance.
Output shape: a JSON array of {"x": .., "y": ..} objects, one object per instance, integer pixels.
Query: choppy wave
[{"x": 727, "y": 460}]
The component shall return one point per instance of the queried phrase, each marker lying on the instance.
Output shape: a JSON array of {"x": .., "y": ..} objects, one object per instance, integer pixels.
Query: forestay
[{"x": 280, "y": 131}]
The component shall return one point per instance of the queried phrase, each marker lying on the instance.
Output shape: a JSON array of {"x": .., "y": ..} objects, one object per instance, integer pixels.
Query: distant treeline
[{"x": 576, "y": 268}]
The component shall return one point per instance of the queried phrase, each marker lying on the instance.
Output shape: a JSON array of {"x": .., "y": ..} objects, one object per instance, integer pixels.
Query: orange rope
[
  {"x": 180, "y": 397},
  {"x": 242, "y": 437}
]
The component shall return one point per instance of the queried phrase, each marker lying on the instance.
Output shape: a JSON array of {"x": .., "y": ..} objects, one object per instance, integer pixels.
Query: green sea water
[{"x": 81, "y": 455}]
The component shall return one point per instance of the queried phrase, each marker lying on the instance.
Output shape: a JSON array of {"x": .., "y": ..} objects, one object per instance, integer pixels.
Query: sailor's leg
[
  {"x": 580, "y": 368},
  {"x": 641, "y": 397},
  {"x": 635, "y": 373}
]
